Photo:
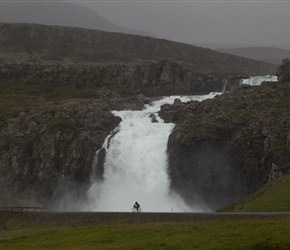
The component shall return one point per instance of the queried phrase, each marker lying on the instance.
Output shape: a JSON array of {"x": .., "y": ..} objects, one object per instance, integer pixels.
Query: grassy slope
[
  {"x": 273, "y": 197},
  {"x": 254, "y": 232},
  {"x": 16, "y": 97},
  {"x": 37, "y": 43}
]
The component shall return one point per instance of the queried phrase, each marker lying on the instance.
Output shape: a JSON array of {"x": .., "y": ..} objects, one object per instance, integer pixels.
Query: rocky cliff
[
  {"x": 283, "y": 71},
  {"x": 52, "y": 146},
  {"x": 149, "y": 78},
  {"x": 48, "y": 148},
  {"x": 220, "y": 149},
  {"x": 226, "y": 147},
  {"x": 39, "y": 43}
]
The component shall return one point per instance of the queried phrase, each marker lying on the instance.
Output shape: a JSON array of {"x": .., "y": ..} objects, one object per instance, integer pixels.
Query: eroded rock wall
[
  {"x": 224, "y": 148},
  {"x": 151, "y": 79},
  {"x": 283, "y": 72},
  {"x": 48, "y": 150}
]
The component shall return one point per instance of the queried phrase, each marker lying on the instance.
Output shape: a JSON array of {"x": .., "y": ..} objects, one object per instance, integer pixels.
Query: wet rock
[
  {"x": 153, "y": 118},
  {"x": 224, "y": 148},
  {"x": 233, "y": 82},
  {"x": 151, "y": 79},
  {"x": 51, "y": 143},
  {"x": 283, "y": 71}
]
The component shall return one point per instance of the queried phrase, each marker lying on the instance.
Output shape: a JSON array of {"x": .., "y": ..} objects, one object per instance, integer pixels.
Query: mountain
[
  {"x": 266, "y": 54},
  {"x": 42, "y": 43},
  {"x": 59, "y": 13},
  {"x": 216, "y": 46}
]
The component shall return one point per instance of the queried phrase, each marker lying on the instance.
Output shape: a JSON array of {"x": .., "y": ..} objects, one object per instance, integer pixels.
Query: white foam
[
  {"x": 136, "y": 166},
  {"x": 257, "y": 80}
]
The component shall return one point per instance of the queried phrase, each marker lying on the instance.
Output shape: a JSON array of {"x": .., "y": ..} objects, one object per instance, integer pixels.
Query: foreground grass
[
  {"x": 273, "y": 197},
  {"x": 227, "y": 234}
]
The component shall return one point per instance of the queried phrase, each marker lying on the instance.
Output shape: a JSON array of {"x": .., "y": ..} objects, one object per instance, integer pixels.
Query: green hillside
[
  {"x": 273, "y": 197},
  {"x": 42, "y": 43}
]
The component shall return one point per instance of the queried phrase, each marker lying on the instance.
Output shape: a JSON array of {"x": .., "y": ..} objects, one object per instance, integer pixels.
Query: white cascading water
[
  {"x": 257, "y": 80},
  {"x": 136, "y": 164}
]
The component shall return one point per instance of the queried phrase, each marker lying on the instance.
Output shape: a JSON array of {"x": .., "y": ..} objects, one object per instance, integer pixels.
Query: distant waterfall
[
  {"x": 225, "y": 86},
  {"x": 136, "y": 167},
  {"x": 257, "y": 80},
  {"x": 253, "y": 81}
]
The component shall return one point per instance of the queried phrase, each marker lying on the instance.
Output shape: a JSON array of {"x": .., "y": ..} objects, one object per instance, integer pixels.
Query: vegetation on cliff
[
  {"x": 126, "y": 79},
  {"x": 55, "y": 116},
  {"x": 38, "y": 43},
  {"x": 50, "y": 134},
  {"x": 226, "y": 147}
]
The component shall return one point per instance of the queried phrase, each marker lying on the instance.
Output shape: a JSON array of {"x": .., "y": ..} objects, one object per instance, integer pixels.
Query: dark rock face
[
  {"x": 224, "y": 148},
  {"x": 51, "y": 148},
  {"x": 151, "y": 79},
  {"x": 206, "y": 84},
  {"x": 283, "y": 72},
  {"x": 232, "y": 83}
]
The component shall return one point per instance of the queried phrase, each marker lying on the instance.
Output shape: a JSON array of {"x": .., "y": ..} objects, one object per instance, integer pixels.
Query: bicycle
[{"x": 135, "y": 210}]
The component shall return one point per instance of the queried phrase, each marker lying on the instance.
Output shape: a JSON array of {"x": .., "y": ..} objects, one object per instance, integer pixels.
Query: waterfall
[
  {"x": 136, "y": 167},
  {"x": 225, "y": 86},
  {"x": 257, "y": 80}
]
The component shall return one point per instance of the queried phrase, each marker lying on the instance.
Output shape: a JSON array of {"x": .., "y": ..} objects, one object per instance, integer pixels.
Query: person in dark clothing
[{"x": 136, "y": 205}]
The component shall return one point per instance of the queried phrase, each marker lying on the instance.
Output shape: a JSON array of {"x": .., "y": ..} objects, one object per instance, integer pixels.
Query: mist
[
  {"x": 220, "y": 24},
  {"x": 248, "y": 23},
  {"x": 136, "y": 167}
]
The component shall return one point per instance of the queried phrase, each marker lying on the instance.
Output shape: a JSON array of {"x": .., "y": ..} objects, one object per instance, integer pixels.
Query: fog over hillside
[
  {"x": 255, "y": 30},
  {"x": 58, "y": 13},
  {"x": 241, "y": 23},
  {"x": 267, "y": 54}
]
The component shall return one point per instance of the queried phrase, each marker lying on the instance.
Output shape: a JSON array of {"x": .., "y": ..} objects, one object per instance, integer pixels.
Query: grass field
[
  {"x": 142, "y": 231},
  {"x": 219, "y": 231},
  {"x": 273, "y": 197}
]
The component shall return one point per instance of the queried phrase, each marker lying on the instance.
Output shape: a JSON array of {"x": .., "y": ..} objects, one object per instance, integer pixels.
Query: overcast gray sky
[
  {"x": 241, "y": 22},
  {"x": 227, "y": 22}
]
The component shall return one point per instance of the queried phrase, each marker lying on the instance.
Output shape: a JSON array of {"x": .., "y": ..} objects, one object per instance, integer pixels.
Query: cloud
[{"x": 240, "y": 22}]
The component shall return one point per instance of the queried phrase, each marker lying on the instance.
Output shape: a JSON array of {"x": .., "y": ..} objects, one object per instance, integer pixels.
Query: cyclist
[{"x": 136, "y": 205}]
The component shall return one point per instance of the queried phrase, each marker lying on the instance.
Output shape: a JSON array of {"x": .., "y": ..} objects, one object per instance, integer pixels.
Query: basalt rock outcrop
[
  {"x": 232, "y": 83},
  {"x": 224, "y": 148},
  {"x": 151, "y": 79},
  {"x": 283, "y": 71},
  {"x": 47, "y": 151}
]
